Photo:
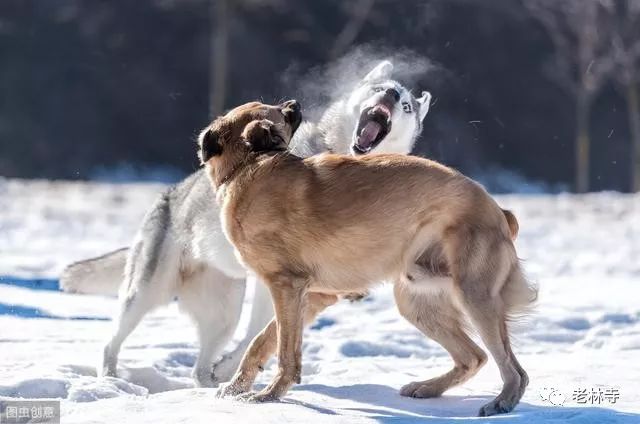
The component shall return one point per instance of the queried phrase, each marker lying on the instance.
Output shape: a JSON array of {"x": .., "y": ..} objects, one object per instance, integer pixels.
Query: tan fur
[
  {"x": 331, "y": 225},
  {"x": 513, "y": 223}
]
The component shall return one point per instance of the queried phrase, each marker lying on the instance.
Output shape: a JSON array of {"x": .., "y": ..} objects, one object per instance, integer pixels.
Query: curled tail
[{"x": 101, "y": 275}]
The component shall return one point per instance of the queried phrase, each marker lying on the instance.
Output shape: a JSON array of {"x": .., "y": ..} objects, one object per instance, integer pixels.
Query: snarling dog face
[
  {"x": 386, "y": 111},
  {"x": 252, "y": 128}
]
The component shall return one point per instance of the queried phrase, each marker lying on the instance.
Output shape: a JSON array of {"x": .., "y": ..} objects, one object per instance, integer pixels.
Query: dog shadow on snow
[{"x": 384, "y": 404}]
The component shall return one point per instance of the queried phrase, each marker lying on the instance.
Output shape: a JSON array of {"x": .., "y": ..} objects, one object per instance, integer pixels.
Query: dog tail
[
  {"x": 101, "y": 275},
  {"x": 513, "y": 223},
  {"x": 518, "y": 293}
]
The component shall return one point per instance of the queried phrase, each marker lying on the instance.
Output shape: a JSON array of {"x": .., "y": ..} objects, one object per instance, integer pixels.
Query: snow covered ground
[{"x": 584, "y": 251}]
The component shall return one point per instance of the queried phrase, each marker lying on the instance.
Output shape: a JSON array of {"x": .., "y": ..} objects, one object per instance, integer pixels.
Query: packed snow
[{"x": 581, "y": 348}]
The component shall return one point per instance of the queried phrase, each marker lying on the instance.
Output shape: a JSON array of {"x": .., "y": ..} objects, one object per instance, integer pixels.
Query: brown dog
[{"x": 316, "y": 228}]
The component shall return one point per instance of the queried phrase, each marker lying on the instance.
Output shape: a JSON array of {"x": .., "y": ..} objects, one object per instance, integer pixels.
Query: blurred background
[
  {"x": 100, "y": 105},
  {"x": 529, "y": 95}
]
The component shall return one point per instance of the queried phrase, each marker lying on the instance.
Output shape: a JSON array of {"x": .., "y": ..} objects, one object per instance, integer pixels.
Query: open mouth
[{"x": 373, "y": 127}]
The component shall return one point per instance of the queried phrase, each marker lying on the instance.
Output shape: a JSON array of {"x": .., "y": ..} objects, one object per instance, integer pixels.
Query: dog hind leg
[
  {"x": 435, "y": 315},
  {"x": 482, "y": 268},
  {"x": 151, "y": 275},
  {"x": 133, "y": 307},
  {"x": 493, "y": 330}
]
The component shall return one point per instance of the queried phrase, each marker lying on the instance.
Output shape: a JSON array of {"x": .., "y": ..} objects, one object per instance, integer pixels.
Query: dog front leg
[
  {"x": 258, "y": 353},
  {"x": 288, "y": 301},
  {"x": 314, "y": 303},
  {"x": 264, "y": 345}
]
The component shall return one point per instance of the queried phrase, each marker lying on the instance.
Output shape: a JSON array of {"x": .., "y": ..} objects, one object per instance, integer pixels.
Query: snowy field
[{"x": 581, "y": 348}]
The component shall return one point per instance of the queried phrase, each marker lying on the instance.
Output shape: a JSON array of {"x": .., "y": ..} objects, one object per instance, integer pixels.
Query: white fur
[
  {"x": 405, "y": 126},
  {"x": 195, "y": 262}
]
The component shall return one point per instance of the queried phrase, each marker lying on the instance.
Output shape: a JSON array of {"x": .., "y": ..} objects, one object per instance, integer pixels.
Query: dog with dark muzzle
[{"x": 302, "y": 224}]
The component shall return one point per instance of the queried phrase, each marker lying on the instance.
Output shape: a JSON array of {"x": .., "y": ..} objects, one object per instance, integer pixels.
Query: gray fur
[{"x": 180, "y": 250}]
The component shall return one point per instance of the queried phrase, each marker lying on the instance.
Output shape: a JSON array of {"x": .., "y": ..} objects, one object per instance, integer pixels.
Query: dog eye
[
  {"x": 406, "y": 107},
  {"x": 377, "y": 89}
]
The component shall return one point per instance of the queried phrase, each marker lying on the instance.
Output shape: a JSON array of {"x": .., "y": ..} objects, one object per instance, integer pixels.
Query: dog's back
[{"x": 365, "y": 209}]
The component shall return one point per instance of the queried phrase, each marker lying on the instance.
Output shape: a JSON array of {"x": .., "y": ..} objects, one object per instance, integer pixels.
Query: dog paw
[
  {"x": 259, "y": 397},
  {"x": 497, "y": 406},
  {"x": 107, "y": 372},
  {"x": 230, "y": 389},
  {"x": 204, "y": 380},
  {"x": 421, "y": 389}
]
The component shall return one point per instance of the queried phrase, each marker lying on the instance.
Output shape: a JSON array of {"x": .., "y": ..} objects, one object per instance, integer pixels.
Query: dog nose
[
  {"x": 292, "y": 105},
  {"x": 393, "y": 93},
  {"x": 292, "y": 113}
]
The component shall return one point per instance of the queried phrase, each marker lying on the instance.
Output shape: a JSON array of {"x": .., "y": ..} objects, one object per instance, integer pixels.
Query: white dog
[{"x": 180, "y": 250}]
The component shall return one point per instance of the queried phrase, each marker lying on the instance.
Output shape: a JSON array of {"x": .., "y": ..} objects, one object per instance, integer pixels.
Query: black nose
[{"x": 393, "y": 93}]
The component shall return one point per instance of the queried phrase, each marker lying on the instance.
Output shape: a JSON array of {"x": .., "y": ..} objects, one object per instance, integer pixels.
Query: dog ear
[
  {"x": 258, "y": 136},
  {"x": 209, "y": 145},
  {"x": 380, "y": 72},
  {"x": 424, "y": 103}
]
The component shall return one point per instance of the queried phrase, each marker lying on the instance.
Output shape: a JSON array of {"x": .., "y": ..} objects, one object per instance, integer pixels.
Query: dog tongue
[{"x": 369, "y": 134}]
